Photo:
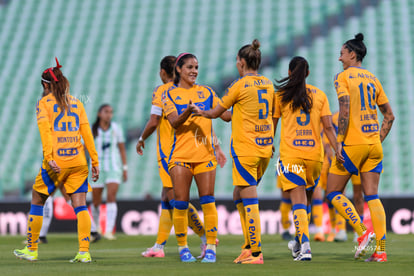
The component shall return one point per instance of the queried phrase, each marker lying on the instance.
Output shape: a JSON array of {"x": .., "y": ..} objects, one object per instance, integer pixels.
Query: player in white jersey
[{"x": 110, "y": 145}]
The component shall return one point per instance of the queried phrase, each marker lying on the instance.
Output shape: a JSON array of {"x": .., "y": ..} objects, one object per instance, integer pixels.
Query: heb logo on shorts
[
  {"x": 67, "y": 152},
  {"x": 264, "y": 141}
]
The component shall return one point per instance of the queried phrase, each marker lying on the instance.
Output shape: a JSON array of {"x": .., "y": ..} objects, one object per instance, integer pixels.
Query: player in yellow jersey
[
  {"x": 159, "y": 122},
  {"x": 193, "y": 153},
  {"x": 251, "y": 98},
  {"x": 302, "y": 108},
  {"x": 359, "y": 143},
  {"x": 62, "y": 124}
]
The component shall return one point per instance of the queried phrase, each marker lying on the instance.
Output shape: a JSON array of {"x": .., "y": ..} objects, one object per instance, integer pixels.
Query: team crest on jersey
[
  {"x": 163, "y": 96},
  {"x": 336, "y": 85},
  {"x": 200, "y": 95}
]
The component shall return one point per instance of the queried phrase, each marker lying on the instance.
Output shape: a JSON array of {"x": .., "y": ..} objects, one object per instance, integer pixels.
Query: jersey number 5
[
  {"x": 56, "y": 126},
  {"x": 265, "y": 101}
]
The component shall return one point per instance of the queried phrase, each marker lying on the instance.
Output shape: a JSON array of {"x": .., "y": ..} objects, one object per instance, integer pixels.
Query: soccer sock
[
  {"x": 180, "y": 220},
  {"x": 47, "y": 216},
  {"x": 285, "y": 208},
  {"x": 317, "y": 213},
  {"x": 95, "y": 217},
  {"x": 34, "y": 224},
  {"x": 309, "y": 213},
  {"x": 340, "y": 222},
  {"x": 84, "y": 227},
  {"x": 194, "y": 221},
  {"x": 251, "y": 207},
  {"x": 332, "y": 216},
  {"x": 208, "y": 204},
  {"x": 111, "y": 213},
  {"x": 300, "y": 219},
  {"x": 378, "y": 220},
  {"x": 242, "y": 213},
  {"x": 165, "y": 223},
  {"x": 347, "y": 210}
]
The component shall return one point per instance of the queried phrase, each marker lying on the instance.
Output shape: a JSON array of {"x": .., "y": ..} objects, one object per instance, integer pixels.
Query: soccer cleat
[
  {"x": 331, "y": 237},
  {"x": 186, "y": 257},
  {"x": 286, "y": 236},
  {"x": 319, "y": 237},
  {"x": 252, "y": 260},
  {"x": 377, "y": 257},
  {"x": 82, "y": 258},
  {"x": 26, "y": 254},
  {"x": 363, "y": 243},
  {"x": 95, "y": 236},
  {"x": 109, "y": 236},
  {"x": 304, "y": 256},
  {"x": 42, "y": 240},
  {"x": 294, "y": 246},
  {"x": 244, "y": 254},
  {"x": 150, "y": 252},
  {"x": 210, "y": 256},
  {"x": 203, "y": 248},
  {"x": 341, "y": 236}
]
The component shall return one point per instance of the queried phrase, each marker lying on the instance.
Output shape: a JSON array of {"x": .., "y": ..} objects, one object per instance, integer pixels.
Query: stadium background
[{"x": 110, "y": 52}]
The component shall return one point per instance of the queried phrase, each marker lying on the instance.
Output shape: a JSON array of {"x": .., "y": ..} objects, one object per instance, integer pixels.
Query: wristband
[
  {"x": 140, "y": 139},
  {"x": 125, "y": 167}
]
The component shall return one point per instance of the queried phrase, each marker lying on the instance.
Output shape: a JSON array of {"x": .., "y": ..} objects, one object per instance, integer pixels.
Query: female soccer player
[
  {"x": 110, "y": 143},
  {"x": 192, "y": 153},
  {"x": 62, "y": 123},
  {"x": 159, "y": 122},
  {"x": 359, "y": 143},
  {"x": 251, "y": 97},
  {"x": 302, "y": 107}
]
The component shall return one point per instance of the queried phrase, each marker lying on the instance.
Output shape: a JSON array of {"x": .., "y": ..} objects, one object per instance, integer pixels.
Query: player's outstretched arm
[
  {"x": 214, "y": 113},
  {"x": 329, "y": 131},
  {"x": 150, "y": 127},
  {"x": 177, "y": 120}
]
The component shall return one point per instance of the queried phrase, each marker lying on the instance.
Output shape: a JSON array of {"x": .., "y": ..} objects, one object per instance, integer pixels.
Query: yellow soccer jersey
[
  {"x": 252, "y": 99},
  {"x": 365, "y": 93},
  {"x": 164, "y": 129},
  {"x": 61, "y": 132},
  {"x": 192, "y": 141},
  {"x": 301, "y": 132}
]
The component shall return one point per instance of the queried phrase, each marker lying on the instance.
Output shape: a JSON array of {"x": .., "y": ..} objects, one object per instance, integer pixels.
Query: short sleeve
[
  {"x": 41, "y": 112},
  {"x": 325, "y": 111},
  {"x": 231, "y": 95},
  {"x": 341, "y": 85},
  {"x": 381, "y": 96},
  {"x": 276, "y": 103},
  {"x": 119, "y": 134},
  {"x": 168, "y": 104},
  {"x": 157, "y": 97}
]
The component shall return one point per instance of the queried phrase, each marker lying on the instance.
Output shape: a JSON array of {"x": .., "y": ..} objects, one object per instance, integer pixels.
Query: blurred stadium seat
[{"x": 110, "y": 52}]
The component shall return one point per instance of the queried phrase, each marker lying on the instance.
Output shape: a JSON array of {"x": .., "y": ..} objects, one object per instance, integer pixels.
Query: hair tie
[
  {"x": 180, "y": 56},
  {"x": 50, "y": 71}
]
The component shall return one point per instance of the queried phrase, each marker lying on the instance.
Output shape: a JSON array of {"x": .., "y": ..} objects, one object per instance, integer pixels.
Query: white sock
[
  {"x": 318, "y": 229},
  {"x": 95, "y": 216},
  {"x": 111, "y": 213},
  {"x": 47, "y": 216},
  {"x": 157, "y": 247}
]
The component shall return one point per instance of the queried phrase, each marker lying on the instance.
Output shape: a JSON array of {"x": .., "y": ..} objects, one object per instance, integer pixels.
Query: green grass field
[{"x": 122, "y": 257}]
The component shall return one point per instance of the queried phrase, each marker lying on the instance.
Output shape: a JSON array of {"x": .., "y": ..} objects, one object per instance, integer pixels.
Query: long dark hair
[
  {"x": 179, "y": 63},
  {"x": 59, "y": 85},
  {"x": 251, "y": 54},
  {"x": 96, "y": 123},
  {"x": 357, "y": 46},
  {"x": 167, "y": 63},
  {"x": 293, "y": 88}
]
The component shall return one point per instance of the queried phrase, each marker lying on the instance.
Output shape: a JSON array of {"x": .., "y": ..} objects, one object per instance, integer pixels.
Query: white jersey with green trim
[{"x": 107, "y": 146}]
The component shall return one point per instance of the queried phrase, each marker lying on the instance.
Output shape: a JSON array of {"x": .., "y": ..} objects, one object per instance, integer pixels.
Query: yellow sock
[
  {"x": 194, "y": 220},
  {"x": 309, "y": 213},
  {"x": 165, "y": 223},
  {"x": 347, "y": 210},
  {"x": 332, "y": 216},
  {"x": 251, "y": 207},
  {"x": 180, "y": 220},
  {"x": 84, "y": 227},
  {"x": 208, "y": 204},
  {"x": 378, "y": 220},
  {"x": 340, "y": 222},
  {"x": 317, "y": 212},
  {"x": 285, "y": 208},
  {"x": 34, "y": 224},
  {"x": 300, "y": 218},
  {"x": 242, "y": 213}
]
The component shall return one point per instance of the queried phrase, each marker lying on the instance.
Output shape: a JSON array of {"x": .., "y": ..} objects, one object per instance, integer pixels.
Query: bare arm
[
  {"x": 389, "y": 118},
  {"x": 226, "y": 116},
  {"x": 275, "y": 122},
  {"x": 329, "y": 131},
  {"x": 150, "y": 127},
  {"x": 214, "y": 113},
  {"x": 177, "y": 120},
  {"x": 122, "y": 151},
  {"x": 343, "y": 119}
]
